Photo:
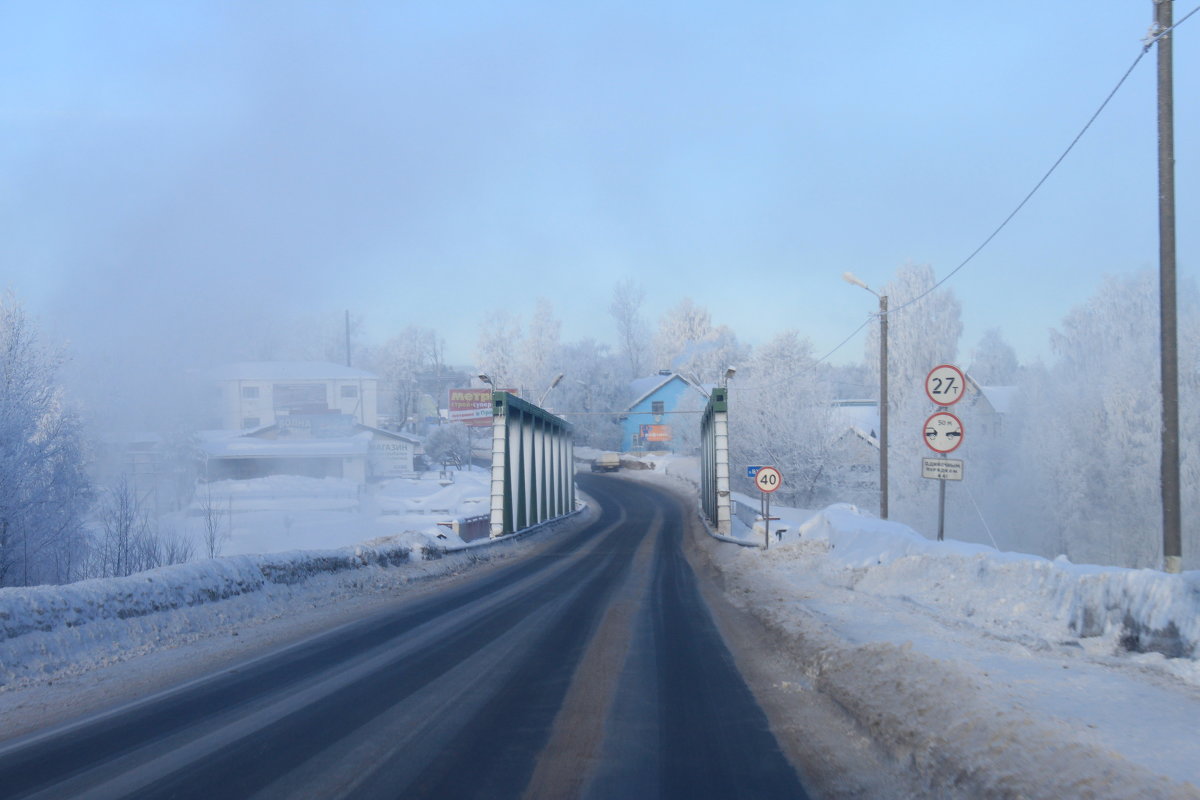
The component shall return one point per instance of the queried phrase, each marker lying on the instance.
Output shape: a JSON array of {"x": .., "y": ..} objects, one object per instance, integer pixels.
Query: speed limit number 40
[
  {"x": 945, "y": 385},
  {"x": 768, "y": 479}
]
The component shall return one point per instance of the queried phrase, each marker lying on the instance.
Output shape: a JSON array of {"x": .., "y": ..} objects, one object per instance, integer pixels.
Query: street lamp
[
  {"x": 849, "y": 277},
  {"x": 553, "y": 383},
  {"x": 728, "y": 374}
]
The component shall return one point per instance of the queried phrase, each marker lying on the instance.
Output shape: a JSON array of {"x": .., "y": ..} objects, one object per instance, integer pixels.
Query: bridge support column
[{"x": 714, "y": 462}]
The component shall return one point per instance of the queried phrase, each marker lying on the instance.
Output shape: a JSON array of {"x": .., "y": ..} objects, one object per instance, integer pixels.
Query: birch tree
[
  {"x": 632, "y": 331},
  {"x": 44, "y": 489}
]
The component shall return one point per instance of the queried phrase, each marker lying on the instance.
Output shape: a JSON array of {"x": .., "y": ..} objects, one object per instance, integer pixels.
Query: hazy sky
[{"x": 170, "y": 169}]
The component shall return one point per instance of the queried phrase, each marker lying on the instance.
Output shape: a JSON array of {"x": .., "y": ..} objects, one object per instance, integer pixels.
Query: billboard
[
  {"x": 655, "y": 433},
  {"x": 472, "y": 406}
]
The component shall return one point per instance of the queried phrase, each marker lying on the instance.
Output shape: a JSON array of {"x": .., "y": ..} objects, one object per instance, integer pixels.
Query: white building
[
  {"x": 356, "y": 452},
  {"x": 254, "y": 395},
  {"x": 301, "y": 418}
]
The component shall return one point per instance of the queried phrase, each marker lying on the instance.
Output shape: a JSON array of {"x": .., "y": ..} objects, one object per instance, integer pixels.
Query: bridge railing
[
  {"x": 533, "y": 465},
  {"x": 714, "y": 461}
]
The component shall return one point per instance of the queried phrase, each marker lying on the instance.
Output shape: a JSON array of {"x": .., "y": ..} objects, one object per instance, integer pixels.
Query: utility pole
[
  {"x": 849, "y": 277},
  {"x": 347, "y": 337},
  {"x": 1172, "y": 539},
  {"x": 883, "y": 406}
]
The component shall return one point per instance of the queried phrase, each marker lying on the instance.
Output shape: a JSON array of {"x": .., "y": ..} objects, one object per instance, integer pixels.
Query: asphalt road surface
[{"x": 592, "y": 669}]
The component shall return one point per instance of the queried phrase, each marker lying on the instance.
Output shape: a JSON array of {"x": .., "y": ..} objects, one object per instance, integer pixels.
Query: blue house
[{"x": 648, "y": 423}]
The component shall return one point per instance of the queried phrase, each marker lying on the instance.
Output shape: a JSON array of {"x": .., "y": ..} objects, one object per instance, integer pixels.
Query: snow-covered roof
[
  {"x": 404, "y": 437},
  {"x": 257, "y": 447},
  {"x": 288, "y": 371},
  {"x": 861, "y": 416},
  {"x": 644, "y": 387},
  {"x": 999, "y": 397}
]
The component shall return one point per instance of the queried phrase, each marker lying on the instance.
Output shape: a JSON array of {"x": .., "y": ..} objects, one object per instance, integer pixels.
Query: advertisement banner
[
  {"x": 472, "y": 406},
  {"x": 656, "y": 433}
]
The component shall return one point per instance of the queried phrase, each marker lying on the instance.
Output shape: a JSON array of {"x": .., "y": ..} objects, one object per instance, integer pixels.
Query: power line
[
  {"x": 1032, "y": 191},
  {"x": 1149, "y": 42}
]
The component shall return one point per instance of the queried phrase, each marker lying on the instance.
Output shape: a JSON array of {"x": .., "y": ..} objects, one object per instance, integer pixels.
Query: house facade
[
  {"x": 648, "y": 424},
  {"x": 254, "y": 395},
  {"x": 355, "y": 452},
  {"x": 315, "y": 419}
]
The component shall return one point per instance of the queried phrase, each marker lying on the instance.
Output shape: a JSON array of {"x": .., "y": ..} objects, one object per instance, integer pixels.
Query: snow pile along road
[
  {"x": 45, "y": 629},
  {"x": 1018, "y": 595},
  {"x": 986, "y": 674}
]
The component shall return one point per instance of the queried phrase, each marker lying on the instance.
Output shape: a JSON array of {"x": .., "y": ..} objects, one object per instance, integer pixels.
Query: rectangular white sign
[
  {"x": 945, "y": 469},
  {"x": 460, "y": 414}
]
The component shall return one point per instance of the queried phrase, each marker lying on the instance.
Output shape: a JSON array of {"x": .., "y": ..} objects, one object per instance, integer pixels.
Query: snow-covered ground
[
  {"x": 282, "y": 540},
  {"x": 280, "y": 513},
  {"x": 988, "y": 673}
]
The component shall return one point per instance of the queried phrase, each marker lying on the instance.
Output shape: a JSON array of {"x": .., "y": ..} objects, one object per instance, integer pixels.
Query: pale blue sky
[{"x": 168, "y": 167}]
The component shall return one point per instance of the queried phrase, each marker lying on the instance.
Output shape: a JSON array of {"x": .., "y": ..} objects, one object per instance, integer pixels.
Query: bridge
[{"x": 533, "y": 464}]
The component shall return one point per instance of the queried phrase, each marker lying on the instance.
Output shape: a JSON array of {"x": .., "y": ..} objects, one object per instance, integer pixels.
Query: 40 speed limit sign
[{"x": 768, "y": 479}]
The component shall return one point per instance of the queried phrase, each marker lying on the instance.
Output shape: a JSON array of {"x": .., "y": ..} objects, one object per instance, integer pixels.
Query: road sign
[
  {"x": 945, "y": 384},
  {"x": 752, "y": 471},
  {"x": 768, "y": 479},
  {"x": 942, "y": 469},
  {"x": 943, "y": 432}
]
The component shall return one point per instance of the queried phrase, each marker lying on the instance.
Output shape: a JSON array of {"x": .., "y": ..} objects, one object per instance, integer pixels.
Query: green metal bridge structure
[{"x": 533, "y": 465}]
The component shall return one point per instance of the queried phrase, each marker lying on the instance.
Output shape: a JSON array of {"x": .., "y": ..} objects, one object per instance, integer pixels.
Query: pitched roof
[{"x": 656, "y": 382}]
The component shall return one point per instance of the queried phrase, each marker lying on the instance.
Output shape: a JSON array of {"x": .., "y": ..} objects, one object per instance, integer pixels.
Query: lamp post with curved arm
[{"x": 849, "y": 277}]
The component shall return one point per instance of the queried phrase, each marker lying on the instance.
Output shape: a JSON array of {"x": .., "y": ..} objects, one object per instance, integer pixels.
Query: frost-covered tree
[
  {"x": 1098, "y": 485},
  {"x": 688, "y": 343},
  {"x": 495, "y": 355},
  {"x": 993, "y": 361},
  {"x": 780, "y": 413},
  {"x": 593, "y": 384},
  {"x": 449, "y": 444},
  {"x": 408, "y": 364},
  {"x": 632, "y": 331},
  {"x": 540, "y": 351},
  {"x": 44, "y": 489},
  {"x": 527, "y": 363},
  {"x": 920, "y": 336}
]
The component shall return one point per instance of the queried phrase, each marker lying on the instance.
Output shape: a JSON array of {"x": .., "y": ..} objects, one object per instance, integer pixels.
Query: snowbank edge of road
[
  {"x": 70, "y": 629},
  {"x": 49, "y": 608},
  {"x": 939, "y": 720}
]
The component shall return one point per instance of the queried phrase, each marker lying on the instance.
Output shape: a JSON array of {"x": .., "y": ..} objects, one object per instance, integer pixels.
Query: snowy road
[{"x": 593, "y": 669}]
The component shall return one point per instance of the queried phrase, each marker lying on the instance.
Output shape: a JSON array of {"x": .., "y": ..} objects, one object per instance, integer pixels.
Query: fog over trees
[{"x": 1061, "y": 457}]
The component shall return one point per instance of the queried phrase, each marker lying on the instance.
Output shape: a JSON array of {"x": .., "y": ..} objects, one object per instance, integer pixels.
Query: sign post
[
  {"x": 944, "y": 386},
  {"x": 768, "y": 480}
]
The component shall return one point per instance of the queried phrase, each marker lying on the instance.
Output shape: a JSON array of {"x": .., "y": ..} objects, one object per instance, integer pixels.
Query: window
[
  {"x": 349, "y": 391},
  {"x": 250, "y": 422},
  {"x": 300, "y": 398},
  {"x": 657, "y": 406},
  {"x": 249, "y": 392}
]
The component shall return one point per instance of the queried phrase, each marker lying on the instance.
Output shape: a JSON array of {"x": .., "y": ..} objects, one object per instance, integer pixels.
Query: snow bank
[
  {"x": 42, "y": 628},
  {"x": 1142, "y": 610},
  {"x": 45, "y": 608}
]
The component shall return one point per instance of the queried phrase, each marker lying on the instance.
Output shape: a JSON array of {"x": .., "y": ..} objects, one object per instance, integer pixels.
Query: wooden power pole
[{"x": 1172, "y": 539}]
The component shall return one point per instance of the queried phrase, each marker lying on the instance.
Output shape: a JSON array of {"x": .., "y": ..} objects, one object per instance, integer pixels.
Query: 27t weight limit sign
[{"x": 944, "y": 385}]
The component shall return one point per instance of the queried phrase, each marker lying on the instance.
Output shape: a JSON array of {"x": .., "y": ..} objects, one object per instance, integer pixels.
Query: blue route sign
[{"x": 752, "y": 471}]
